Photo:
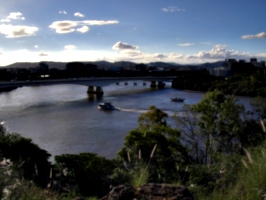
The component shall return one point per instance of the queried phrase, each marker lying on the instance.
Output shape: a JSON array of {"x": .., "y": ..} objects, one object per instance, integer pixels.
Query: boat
[
  {"x": 178, "y": 99},
  {"x": 106, "y": 106}
]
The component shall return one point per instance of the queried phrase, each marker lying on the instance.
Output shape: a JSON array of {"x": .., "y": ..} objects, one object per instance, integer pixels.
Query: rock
[
  {"x": 149, "y": 191},
  {"x": 121, "y": 192},
  {"x": 164, "y": 191}
]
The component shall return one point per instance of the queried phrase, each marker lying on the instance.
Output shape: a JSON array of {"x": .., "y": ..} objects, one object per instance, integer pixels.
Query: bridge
[{"x": 94, "y": 84}]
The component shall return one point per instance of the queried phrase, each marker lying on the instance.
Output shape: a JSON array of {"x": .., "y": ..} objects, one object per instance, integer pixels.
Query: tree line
[{"x": 243, "y": 84}]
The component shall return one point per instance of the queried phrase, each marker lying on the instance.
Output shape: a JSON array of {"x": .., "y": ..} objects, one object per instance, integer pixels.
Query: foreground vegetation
[{"x": 216, "y": 149}]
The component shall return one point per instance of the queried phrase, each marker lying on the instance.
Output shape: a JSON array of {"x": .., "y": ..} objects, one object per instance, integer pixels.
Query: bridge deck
[{"x": 98, "y": 82}]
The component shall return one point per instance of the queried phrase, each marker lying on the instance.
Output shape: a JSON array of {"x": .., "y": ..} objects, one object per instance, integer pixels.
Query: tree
[
  {"x": 152, "y": 132},
  {"x": 154, "y": 117},
  {"x": 259, "y": 107},
  {"x": 215, "y": 132},
  {"x": 216, "y": 125},
  {"x": 28, "y": 158},
  {"x": 85, "y": 173}
]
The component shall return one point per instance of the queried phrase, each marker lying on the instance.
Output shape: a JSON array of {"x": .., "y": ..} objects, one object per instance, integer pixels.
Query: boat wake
[
  {"x": 132, "y": 110},
  {"x": 170, "y": 113}
]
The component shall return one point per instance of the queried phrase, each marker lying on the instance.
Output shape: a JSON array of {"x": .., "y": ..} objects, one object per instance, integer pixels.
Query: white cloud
[
  {"x": 15, "y": 15},
  {"x": 100, "y": 22},
  {"x": 68, "y": 26},
  {"x": 219, "y": 52},
  {"x": 123, "y": 46},
  {"x": 5, "y": 20},
  {"x": 11, "y": 31},
  {"x": 22, "y": 51},
  {"x": 186, "y": 44},
  {"x": 259, "y": 35},
  {"x": 63, "y": 12},
  {"x": 36, "y": 46},
  {"x": 160, "y": 56},
  {"x": 70, "y": 47},
  {"x": 83, "y": 29},
  {"x": 41, "y": 53},
  {"x": 78, "y": 14},
  {"x": 63, "y": 26},
  {"x": 172, "y": 9},
  {"x": 131, "y": 53}
]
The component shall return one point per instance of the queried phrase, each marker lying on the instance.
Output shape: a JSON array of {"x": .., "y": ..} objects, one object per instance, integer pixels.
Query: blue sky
[{"x": 181, "y": 31}]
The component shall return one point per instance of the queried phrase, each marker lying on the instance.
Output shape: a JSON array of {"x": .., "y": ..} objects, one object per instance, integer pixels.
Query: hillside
[{"x": 126, "y": 64}]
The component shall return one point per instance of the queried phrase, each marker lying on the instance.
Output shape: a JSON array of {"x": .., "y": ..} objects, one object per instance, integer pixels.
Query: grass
[
  {"x": 140, "y": 172},
  {"x": 251, "y": 183},
  {"x": 139, "y": 175}
]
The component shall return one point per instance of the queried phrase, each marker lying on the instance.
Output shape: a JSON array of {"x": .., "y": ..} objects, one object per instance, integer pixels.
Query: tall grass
[
  {"x": 140, "y": 172},
  {"x": 139, "y": 175},
  {"x": 251, "y": 183}
]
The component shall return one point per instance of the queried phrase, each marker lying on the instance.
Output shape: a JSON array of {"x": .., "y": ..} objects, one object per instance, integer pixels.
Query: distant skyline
[{"x": 140, "y": 31}]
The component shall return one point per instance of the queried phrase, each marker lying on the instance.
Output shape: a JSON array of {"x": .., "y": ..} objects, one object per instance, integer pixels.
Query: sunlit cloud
[
  {"x": 259, "y": 35},
  {"x": 68, "y": 26},
  {"x": 42, "y": 53},
  {"x": 64, "y": 26},
  {"x": 219, "y": 52},
  {"x": 11, "y": 31},
  {"x": 70, "y": 47},
  {"x": 5, "y": 20},
  {"x": 83, "y": 29},
  {"x": 172, "y": 9},
  {"x": 160, "y": 56},
  {"x": 16, "y": 15},
  {"x": 22, "y": 51},
  {"x": 186, "y": 44},
  {"x": 63, "y": 12},
  {"x": 132, "y": 54},
  {"x": 123, "y": 46},
  {"x": 36, "y": 46},
  {"x": 78, "y": 14},
  {"x": 100, "y": 22}
]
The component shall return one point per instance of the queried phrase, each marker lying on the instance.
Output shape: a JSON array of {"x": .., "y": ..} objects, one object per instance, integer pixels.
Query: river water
[{"x": 61, "y": 119}]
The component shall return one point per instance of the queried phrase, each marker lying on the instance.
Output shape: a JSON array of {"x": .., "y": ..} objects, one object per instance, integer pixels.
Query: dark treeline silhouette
[
  {"x": 243, "y": 79},
  {"x": 78, "y": 70}
]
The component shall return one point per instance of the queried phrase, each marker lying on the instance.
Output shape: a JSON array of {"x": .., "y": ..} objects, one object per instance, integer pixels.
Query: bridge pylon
[
  {"x": 153, "y": 84},
  {"x": 98, "y": 92}
]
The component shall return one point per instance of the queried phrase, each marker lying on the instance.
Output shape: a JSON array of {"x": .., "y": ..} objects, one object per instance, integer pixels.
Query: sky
[{"x": 140, "y": 31}]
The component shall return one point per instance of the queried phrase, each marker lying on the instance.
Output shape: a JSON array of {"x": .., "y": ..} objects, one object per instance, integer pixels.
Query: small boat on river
[
  {"x": 177, "y": 99},
  {"x": 106, "y": 106}
]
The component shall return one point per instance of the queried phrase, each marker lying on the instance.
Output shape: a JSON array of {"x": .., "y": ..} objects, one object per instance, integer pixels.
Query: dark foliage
[{"x": 86, "y": 173}]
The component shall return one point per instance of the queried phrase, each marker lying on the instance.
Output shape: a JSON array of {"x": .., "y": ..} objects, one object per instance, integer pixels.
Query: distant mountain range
[{"x": 125, "y": 64}]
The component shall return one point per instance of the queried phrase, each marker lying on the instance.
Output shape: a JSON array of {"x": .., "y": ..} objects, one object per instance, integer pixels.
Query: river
[{"x": 61, "y": 119}]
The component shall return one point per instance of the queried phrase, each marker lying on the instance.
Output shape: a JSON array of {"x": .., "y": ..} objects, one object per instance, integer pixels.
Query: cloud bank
[
  {"x": 42, "y": 54},
  {"x": 70, "y": 47}
]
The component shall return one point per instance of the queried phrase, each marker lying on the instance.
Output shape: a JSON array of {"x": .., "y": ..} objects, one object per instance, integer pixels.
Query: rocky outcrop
[{"x": 149, "y": 191}]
